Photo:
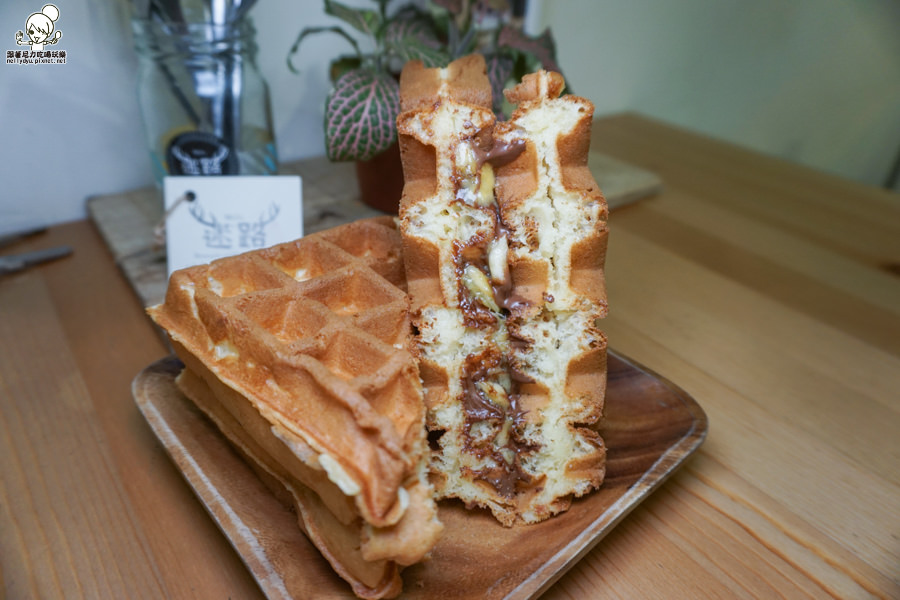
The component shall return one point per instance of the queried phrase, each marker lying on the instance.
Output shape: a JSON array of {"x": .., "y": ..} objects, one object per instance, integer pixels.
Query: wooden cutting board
[
  {"x": 650, "y": 427},
  {"x": 330, "y": 198}
]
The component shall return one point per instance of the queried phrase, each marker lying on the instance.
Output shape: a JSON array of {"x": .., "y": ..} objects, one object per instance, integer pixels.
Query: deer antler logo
[
  {"x": 267, "y": 217},
  {"x": 253, "y": 235},
  {"x": 200, "y": 214},
  {"x": 219, "y": 234}
]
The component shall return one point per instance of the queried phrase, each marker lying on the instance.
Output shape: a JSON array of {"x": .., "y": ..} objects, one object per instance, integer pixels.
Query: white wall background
[{"x": 813, "y": 81}]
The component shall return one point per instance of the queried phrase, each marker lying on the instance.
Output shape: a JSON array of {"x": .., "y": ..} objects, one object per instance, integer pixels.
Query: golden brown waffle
[
  {"x": 504, "y": 235},
  {"x": 299, "y": 353}
]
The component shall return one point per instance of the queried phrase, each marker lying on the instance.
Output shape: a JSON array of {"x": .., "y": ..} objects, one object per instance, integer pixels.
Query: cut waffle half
[
  {"x": 299, "y": 353},
  {"x": 504, "y": 236}
]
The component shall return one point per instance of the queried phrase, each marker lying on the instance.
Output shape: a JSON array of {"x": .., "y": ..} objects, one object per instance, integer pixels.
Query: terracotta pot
[{"x": 381, "y": 180}]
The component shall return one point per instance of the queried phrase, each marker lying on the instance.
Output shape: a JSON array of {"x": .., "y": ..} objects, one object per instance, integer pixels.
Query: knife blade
[
  {"x": 12, "y": 238},
  {"x": 12, "y": 263}
]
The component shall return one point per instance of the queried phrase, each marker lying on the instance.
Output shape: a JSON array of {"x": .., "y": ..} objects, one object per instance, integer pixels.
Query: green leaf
[
  {"x": 363, "y": 20},
  {"x": 414, "y": 50},
  {"x": 361, "y": 115},
  {"x": 307, "y": 31},
  {"x": 412, "y": 37}
]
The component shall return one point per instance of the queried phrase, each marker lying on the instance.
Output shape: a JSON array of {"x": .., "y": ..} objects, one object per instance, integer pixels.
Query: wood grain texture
[
  {"x": 768, "y": 291},
  {"x": 92, "y": 507},
  {"x": 650, "y": 428}
]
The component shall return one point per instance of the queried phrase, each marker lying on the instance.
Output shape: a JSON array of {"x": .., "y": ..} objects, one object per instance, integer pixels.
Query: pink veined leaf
[
  {"x": 543, "y": 48},
  {"x": 360, "y": 115}
]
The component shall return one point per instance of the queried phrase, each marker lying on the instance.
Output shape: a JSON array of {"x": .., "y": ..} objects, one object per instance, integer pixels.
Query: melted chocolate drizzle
[
  {"x": 490, "y": 365},
  {"x": 500, "y": 153},
  {"x": 487, "y": 150},
  {"x": 506, "y": 477}
]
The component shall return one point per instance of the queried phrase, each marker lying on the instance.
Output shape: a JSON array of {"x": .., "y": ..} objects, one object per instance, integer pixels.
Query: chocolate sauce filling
[
  {"x": 491, "y": 366},
  {"x": 475, "y": 314},
  {"x": 499, "y": 153},
  {"x": 506, "y": 477},
  {"x": 474, "y": 252},
  {"x": 487, "y": 150}
]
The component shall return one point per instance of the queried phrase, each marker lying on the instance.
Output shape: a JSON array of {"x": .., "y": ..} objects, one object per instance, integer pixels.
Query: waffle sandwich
[
  {"x": 504, "y": 237},
  {"x": 299, "y": 354}
]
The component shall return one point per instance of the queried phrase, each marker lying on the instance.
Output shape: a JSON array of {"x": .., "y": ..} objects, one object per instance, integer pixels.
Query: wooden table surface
[{"x": 769, "y": 292}]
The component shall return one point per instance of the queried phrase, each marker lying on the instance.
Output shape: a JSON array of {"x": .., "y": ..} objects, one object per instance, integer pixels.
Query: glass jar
[{"x": 205, "y": 105}]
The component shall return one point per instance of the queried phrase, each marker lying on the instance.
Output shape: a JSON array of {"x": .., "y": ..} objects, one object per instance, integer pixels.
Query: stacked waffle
[
  {"x": 504, "y": 237},
  {"x": 299, "y": 354}
]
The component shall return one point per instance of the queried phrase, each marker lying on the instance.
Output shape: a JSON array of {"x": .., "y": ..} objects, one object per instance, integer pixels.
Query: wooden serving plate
[{"x": 650, "y": 428}]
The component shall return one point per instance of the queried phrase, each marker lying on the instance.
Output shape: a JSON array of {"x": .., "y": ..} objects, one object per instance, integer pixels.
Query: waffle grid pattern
[{"x": 314, "y": 332}]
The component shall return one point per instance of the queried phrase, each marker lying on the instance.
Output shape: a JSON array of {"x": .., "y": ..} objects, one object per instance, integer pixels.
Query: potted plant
[{"x": 362, "y": 107}]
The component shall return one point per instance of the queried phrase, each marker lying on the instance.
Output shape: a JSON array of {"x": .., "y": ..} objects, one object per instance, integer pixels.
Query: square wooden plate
[{"x": 650, "y": 427}]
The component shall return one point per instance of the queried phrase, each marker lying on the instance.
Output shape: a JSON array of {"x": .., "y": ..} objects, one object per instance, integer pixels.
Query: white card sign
[{"x": 212, "y": 217}]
